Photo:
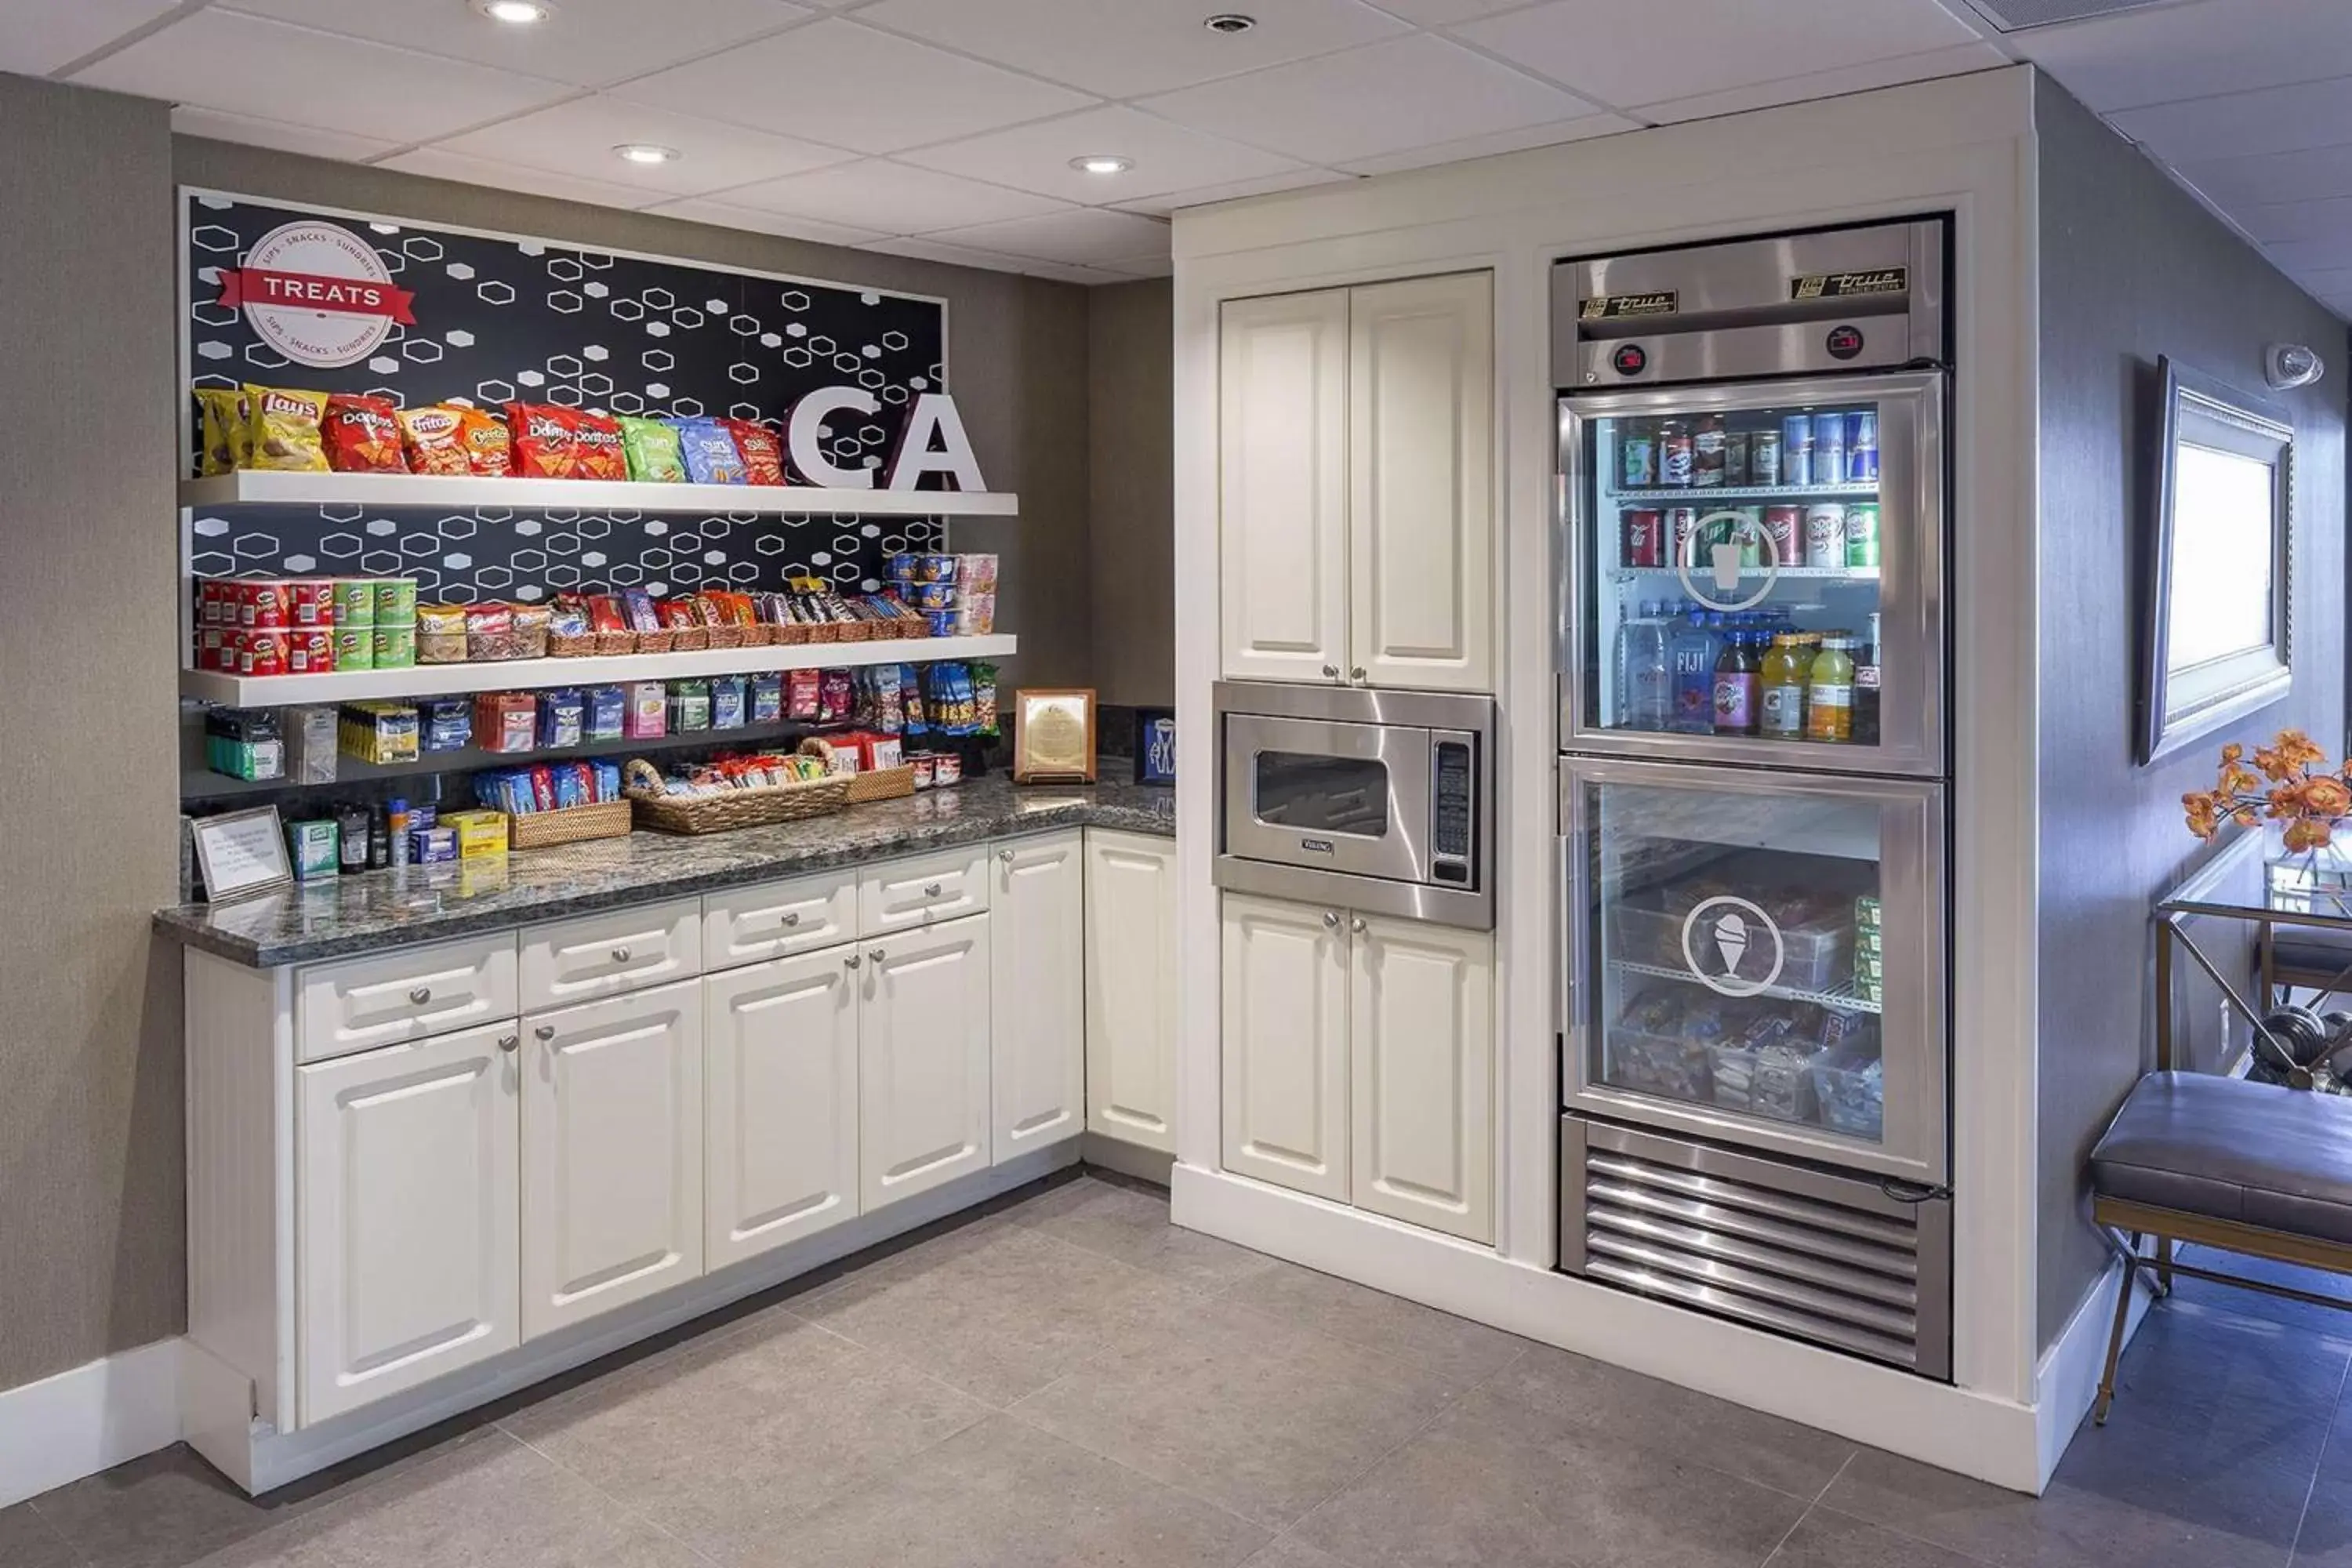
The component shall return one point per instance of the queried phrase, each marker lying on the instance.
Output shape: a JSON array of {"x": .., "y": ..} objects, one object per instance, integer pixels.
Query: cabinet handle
[
  {"x": 788, "y": 921},
  {"x": 849, "y": 961},
  {"x": 930, "y": 890},
  {"x": 1331, "y": 672},
  {"x": 1331, "y": 920},
  {"x": 877, "y": 955},
  {"x": 1357, "y": 673},
  {"x": 545, "y": 1031},
  {"x": 508, "y": 1042},
  {"x": 620, "y": 955},
  {"x": 420, "y": 995},
  {"x": 1005, "y": 856},
  {"x": 1356, "y": 923}
]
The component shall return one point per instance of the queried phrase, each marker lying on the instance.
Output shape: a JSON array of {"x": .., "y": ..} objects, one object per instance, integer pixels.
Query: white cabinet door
[
  {"x": 780, "y": 1127},
  {"x": 1131, "y": 988},
  {"x": 922, "y": 1060},
  {"x": 922, "y": 890},
  {"x": 1421, "y": 1031},
  {"x": 1285, "y": 1044},
  {"x": 612, "y": 1153},
  {"x": 405, "y": 1179},
  {"x": 1421, "y": 482},
  {"x": 1037, "y": 1019},
  {"x": 1282, "y": 503}
]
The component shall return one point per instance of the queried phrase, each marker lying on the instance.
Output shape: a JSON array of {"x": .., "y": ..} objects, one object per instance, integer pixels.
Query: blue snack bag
[{"x": 709, "y": 452}]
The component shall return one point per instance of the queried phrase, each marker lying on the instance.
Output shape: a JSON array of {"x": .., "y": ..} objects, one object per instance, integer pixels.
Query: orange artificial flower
[
  {"x": 2326, "y": 796},
  {"x": 2307, "y": 833}
]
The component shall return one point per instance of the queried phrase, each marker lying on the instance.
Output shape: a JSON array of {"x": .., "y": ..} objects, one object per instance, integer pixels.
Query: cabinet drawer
[
  {"x": 363, "y": 1003},
  {"x": 901, "y": 895},
  {"x": 777, "y": 920},
  {"x": 603, "y": 955}
]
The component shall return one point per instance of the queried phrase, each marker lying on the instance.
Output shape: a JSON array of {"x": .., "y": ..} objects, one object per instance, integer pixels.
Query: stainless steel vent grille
[
  {"x": 1826, "y": 1259},
  {"x": 2016, "y": 16}
]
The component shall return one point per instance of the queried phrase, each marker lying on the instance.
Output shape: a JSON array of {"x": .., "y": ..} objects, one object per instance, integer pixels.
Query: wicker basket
[
  {"x": 823, "y": 631},
  {"x": 882, "y": 784},
  {"x": 759, "y": 634},
  {"x": 728, "y": 636},
  {"x": 790, "y": 633},
  {"x": 728, "y": 809},
  {"x": 688, "y": 639},
  {"x": 559, "y": 646},
  {"x": 661, "y": 641},
  {"x": 572, "y": 825}
]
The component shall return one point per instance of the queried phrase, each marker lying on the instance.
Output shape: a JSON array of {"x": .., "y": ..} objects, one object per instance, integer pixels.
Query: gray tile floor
[{"x": 1070, "y": 1380}]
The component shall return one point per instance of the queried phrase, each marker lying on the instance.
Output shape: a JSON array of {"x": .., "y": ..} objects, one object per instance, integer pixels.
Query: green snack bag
[{"x": 652, "y": 446}]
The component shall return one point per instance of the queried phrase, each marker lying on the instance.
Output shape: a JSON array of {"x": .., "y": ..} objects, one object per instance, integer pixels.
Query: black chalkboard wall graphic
[{"x": 501, "y": 318}]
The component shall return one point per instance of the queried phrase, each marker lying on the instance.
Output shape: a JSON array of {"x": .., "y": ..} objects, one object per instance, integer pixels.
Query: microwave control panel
[{"x": 1451, "y": 846}]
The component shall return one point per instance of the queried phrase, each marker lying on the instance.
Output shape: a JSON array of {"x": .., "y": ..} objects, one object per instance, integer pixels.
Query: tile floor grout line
[
  {"x": 58, "y": 1532},
  {"x": 2319, "y": 1461},
  {"x": 1810, "y": 1508},
  {"x": 626, "y": 1508}
]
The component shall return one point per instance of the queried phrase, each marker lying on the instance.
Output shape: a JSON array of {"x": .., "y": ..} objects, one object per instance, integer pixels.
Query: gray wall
[
  {"x": 1130, "y": 424},
  {"x": 2131, "y": 269},
  {"x": 89, "y": 1048}
]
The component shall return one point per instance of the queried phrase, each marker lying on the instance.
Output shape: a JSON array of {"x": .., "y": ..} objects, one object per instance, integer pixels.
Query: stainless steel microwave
[{"x": 1374, "y": 800}]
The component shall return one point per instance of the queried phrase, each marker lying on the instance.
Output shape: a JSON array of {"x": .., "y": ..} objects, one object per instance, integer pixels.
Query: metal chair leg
[
  {"x": 2163, "y": 1267},
  {"x": 2132, "y": 1266}
]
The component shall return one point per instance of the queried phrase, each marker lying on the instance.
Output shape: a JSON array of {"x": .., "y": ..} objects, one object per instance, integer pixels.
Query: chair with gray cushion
[{"x": 2254, "y": 1168}]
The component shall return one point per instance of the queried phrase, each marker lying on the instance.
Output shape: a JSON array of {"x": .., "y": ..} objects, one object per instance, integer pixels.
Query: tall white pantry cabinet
[
  {"x": 1356, "y": 455},
  {"x": 429, "y": 1169}
]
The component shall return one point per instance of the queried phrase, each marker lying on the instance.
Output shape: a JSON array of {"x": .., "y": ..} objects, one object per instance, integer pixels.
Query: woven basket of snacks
[
  {"x": 726, "y": 636},
  {"x": 569, "y": 645},
  {"x": 722, "y": 811},
  {"x": 572, "y": 825},
  {"x": 688, "y": 639},
  {"x": 655, "y": 642},
  {"x": 760, "y": 633},
  {"x": 882, "y": 784}
]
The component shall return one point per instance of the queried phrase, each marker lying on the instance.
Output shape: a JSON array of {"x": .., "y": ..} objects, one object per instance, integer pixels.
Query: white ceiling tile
[
  {"x": 585, "y": 42},
  {"x": 249, "y": 65},
  {"x": 1628, "y": 52},
  {"x": 838, "y": 82},
  {"x": 2312, "y": 172},
  {"x": 1089, "y": 237},
  {"x": 276, "y": 133},
  {"x": 1518, "y": 141},
  {"x": 891, "y": 198},
  {"x": 2327, "y": 282},
  {"x": 1161, "y": 267},
  {"x": 43, "y": 35},
  {"x": 726, "y": 215},
  {"x": 1154, "y": 46},
  {"x": 1440, "y": 13},
  {"x": 578, "y": 138},
  {"x": 2165, "y": 53},
  {"x": 2294, "y": 256},
  {"x": 1167, "y": 157},
  {"x": 440, "y": 164},
  {"x": 2233, "y": 125},
  {"x": 2330, "y": 218},
  {"x": 1862, "y": 78},
  {"x": 1383, "y": 97},
  {"x": 1299, "y": 179},
  {"x": 1061, "y": 272},
  {"x": 923, "y": 249}
]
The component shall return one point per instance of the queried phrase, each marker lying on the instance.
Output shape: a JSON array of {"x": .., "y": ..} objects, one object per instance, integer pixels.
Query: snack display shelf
[
  {"x": 596, "y": 669},
  {"x": 1704, "y": 497},
  {"x": 248, "y": 487},
  {"x": 1785, "y": 573},
  {"x": 1844, "y": 1000}
]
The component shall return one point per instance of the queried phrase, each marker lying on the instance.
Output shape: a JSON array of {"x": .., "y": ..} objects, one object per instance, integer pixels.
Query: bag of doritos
[
  {"x": 602, "y": 455},
  {"x": 362, "y": 435},
  {"x": 545, "y": 441}
]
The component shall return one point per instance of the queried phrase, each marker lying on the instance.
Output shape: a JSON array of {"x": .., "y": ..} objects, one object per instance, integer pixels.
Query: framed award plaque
[{"x": 1054, "y": 735}]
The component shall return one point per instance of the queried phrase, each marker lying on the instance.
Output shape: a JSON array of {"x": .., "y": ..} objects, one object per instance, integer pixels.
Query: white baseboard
[
  {"x": 1975, "y": 1434},
  {"x": 2068, "y": 1378},
  {"x": 80, "y": 1422}
]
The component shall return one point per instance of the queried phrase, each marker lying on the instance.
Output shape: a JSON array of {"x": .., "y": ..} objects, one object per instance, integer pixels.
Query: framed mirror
[{"x": 2216, "y": 640}]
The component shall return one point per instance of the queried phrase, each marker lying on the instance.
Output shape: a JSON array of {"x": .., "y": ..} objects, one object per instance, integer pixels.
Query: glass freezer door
[
  {"x": 1754, "y": 574},
  {"x": 1758, "y": 958}
]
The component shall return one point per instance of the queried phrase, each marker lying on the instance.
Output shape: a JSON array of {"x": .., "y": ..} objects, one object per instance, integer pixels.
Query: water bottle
[
  {"x": 1645, "y": 673},
  {"x": 1694, "y": 646}
]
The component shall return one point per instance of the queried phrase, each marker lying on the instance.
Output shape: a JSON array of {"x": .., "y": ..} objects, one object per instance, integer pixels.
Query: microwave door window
[{"x": 1318, "y": 793}]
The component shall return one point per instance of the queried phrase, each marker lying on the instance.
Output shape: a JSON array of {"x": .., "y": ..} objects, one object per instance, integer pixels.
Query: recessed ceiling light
[
  {"x": 1229, "y": 22},
  {"x": 515, "y": 13},
  {"x": 647, "y": 153},
  {"x": 1102, "y": 164}
]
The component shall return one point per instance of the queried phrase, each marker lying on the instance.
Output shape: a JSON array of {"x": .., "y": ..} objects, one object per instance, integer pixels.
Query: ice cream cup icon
[
  {"x": 1731, "y": 939},
  {"x": 1747, "y": 953}
]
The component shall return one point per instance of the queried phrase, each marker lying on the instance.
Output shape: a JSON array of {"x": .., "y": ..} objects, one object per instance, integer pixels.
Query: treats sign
[
  {"x": 317, "y": 293},
  {"x": 933, "y": 442}
]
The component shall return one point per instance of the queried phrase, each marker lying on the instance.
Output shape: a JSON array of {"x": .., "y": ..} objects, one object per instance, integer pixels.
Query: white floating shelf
[
  {"x": 264, "y": 487},
  {"x": 1706, "y": 498},
  {"x": 602, "y": 670}
]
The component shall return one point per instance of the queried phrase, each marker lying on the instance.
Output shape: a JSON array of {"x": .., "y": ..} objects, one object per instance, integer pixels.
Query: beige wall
[
  {"x": 90, "y": 1048},
  {"x": 1130, "y": 429}
]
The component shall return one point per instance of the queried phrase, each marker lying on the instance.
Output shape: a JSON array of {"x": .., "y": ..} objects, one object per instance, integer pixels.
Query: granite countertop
[{"x": 381, "y": 909}]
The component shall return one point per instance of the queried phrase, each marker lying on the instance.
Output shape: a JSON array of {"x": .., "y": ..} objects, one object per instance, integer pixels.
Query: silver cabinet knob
[
  {"x": 545, "y": 1031},
  {"x": 509, "y": 1042},
  {"x": 1357, "y": 673},
  {"x": 790, "y": 921},
  {"x": 1331, "y": 672},
  {"x": 877, "y": 955},
  {"x": 1330, "y": 919},
  {"x": 620, "y": 955},
  {"x": 420, "y": 995},
  {"x": 1005, "y": 856},
  {"x": 849, "y": 961},
  {"x": 930, "y": 890},
  {"x": 1356, "y": 922}
]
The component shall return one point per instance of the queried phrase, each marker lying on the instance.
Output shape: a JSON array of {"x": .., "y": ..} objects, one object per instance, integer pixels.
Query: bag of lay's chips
[
  {"x": 284, "y": 425},
  {"x": 652, "y": 447},
  {"x": 222, "y": 430}
]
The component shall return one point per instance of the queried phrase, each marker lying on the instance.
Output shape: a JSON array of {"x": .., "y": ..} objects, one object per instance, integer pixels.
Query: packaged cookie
[
  {"x": 490, "y": 633},
  {"x": 283, "y": 424},
  {"x": 440, "y": 634},
  {"x": 362, "y": 435},
  {"x": 434, "y": 440}
]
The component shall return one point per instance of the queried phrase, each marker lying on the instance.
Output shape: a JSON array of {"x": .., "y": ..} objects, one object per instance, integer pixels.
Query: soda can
[
  {"x": 395, "y": 605},
  {"x": 310, "y": 650},
  {"x": 1637, "y": 456},
  {"x": 1862, "y": 446},
  {"x": 1674, "y": 458},
  {"x": 354, "y": 647},
  {"x": 1682, "y": 528},
  {"x": 354, "y": 601},
  {"x": 396, "y": 647},
  {"x": 1829, "y": 449},
  {"x": 1736, "y": 448},
  {"x": 1784, "y": 529},
  {"x": 1749, "y": 533},
  {"x": 310, "y": 602},
  {"x": 1862, "y": 535},
  {"x": 1643, "y": 543},
  {"x": 1764, "y": 457},
  {"x": 1825, "y": 534},
  {"x": 1796, "y": 449}
]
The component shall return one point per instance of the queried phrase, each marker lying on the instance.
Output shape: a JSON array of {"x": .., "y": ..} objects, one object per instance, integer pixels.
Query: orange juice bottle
[
  {"x": 1829, "y": 690},
  {"x": 1781, "y": 686}
]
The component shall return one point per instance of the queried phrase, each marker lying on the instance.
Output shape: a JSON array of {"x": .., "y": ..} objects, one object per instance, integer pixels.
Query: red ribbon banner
[{"x": 246, "y": 288}]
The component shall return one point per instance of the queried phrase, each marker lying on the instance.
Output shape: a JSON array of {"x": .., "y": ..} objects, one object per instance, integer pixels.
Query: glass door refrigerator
[{"x": 1755, "y": 1039}]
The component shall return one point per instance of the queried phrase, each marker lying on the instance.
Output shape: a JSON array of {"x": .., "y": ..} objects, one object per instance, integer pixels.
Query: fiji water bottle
[{"x": 1692, "y": 649}]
